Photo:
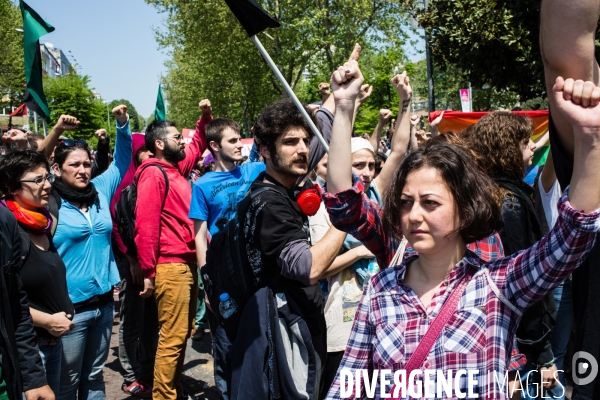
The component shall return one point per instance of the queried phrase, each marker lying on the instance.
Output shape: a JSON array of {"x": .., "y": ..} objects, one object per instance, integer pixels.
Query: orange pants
[{"x": 176, "y": 290}]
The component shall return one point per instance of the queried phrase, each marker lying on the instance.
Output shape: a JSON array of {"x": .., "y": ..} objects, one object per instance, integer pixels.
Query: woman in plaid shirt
[{"x": 439, "y": 200}]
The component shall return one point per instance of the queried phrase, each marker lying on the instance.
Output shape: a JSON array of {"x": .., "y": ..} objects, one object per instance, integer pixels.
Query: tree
[
  {"x": 134, "y": 118},
  {"x": 495, "y": 42},
  {"x": 70, "y": 94},
  {"x": 12, "y": 70},
  {"x": 213, "y": 57}
]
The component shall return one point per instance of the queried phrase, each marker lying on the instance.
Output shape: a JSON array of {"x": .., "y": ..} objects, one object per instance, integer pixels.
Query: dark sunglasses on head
[{"x": 73, "y": 142}]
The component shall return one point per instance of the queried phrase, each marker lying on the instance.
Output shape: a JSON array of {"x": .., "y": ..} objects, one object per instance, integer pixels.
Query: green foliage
[
  {"x": 135, "y": 123},
  {"x": 495, "y": 42},
  {"x": 71, "y": 94},
  {"x": 12, "y": 71},
  {"x": 212, "y": 57}
]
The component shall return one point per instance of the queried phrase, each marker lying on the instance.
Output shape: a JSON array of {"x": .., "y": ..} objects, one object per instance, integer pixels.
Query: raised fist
[
  {"x": 101, "y": 135},
  {"x": 346, "y": 82},
  {"x": 17, "y": 135},
  {"x": 364, "y": 94},
  {"x": 415, "y": 119},
  {"x": 385, "y": 115},
  {"x": 67, "y": 123},
  {"x": 324, "y": 88},
  {"x": 205, "y": 107},
  {"x": 120, "y": 114},
  {"x": 437, "y": 121},
  {"x": 402, "y": 84}
]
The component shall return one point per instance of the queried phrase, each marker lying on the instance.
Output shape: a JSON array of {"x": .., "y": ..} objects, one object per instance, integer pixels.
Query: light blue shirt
[
  {"x": 85, "y": 245},
  {"x": 217, "y": 194}
]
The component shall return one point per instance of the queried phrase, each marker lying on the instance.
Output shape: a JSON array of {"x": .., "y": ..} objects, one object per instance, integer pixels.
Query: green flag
[
  {"x": 160, "y": 112},
  {"x": 34, "y": 27}
]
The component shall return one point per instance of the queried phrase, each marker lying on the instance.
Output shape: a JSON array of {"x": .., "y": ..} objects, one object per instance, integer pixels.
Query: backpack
[
  {"x": 125, "y": 211},
  {"x": 227, "y": 269}
]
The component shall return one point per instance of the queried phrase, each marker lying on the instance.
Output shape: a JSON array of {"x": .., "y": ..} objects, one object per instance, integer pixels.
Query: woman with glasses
[
  {"x": 25, "y": 183},
  {"x": 83, "y": 240}
]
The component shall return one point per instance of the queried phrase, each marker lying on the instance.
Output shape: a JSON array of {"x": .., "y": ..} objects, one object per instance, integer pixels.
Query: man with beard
[
  {"x": 164, "y": 237},
  {"x": 278, "y": 241},
  {"x": 215, "y": 197}
]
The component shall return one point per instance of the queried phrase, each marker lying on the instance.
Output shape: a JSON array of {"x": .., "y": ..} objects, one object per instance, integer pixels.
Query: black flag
[{"x": 252, "y": 16}]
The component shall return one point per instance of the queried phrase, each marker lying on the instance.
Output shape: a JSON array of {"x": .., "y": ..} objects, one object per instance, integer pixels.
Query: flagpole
[
  {"x": 35, "y": 121},
  {"x": 289, "y": 91},
  {"x": 45, "y": 130}
]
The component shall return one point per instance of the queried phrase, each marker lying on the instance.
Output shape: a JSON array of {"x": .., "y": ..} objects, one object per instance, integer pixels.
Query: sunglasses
[
  {"x": 73, "y": 142},
  {"x": 40, "y": 180}
]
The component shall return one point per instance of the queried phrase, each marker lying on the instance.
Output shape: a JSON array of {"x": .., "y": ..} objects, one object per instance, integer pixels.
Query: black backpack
[
  {"x": 125, "y": 211},
  {"x": 227, "y": 269}
]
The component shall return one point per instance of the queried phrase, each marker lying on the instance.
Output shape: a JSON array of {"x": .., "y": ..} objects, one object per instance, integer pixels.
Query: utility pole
[{"x": 430, "y": 91}]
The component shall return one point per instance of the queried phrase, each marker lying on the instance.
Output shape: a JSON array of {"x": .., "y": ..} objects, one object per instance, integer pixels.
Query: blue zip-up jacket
[{"x": 86, "y": 248}]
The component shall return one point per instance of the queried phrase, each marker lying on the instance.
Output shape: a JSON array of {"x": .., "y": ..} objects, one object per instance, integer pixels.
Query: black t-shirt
[
  {"x": 44, "y": 277},
  {"x": 270, "y": 223}
]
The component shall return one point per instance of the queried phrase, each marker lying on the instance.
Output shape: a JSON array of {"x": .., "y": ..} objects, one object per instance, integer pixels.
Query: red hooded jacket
[{"x": 167, "y": 235}]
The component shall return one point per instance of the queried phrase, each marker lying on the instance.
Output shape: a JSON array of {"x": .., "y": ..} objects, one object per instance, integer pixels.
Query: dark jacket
[
  {"x": 100, "y": 163},
  {"x": 521, "y": 229},
  {"x": 19, "y": 353}
]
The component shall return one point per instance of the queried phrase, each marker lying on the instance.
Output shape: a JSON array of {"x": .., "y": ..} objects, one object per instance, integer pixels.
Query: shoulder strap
[
  {"x": 166, "y": 180},
  {"x": 24, "y": 244},
  {"x": 433, "y": 333}
]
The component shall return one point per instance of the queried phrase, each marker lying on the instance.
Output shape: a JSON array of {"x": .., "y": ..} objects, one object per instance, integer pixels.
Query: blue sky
[{"x": 113, "y": 42}]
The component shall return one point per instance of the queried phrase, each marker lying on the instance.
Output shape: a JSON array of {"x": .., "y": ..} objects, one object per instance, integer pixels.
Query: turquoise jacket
[{"x": 86, "y": 248}]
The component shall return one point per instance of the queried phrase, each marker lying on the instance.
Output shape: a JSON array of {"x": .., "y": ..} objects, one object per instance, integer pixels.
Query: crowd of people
[{"x": 400, "y": 249}]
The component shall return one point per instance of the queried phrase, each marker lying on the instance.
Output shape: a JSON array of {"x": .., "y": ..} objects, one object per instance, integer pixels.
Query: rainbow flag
[{"x": 457, "y": 121}]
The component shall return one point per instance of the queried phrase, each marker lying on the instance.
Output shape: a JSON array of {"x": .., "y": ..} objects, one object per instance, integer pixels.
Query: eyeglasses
[
  {"x": 40, "y": 180},
  {"x": 73, "y": 142},
  {"x": 177, "y": 137}
]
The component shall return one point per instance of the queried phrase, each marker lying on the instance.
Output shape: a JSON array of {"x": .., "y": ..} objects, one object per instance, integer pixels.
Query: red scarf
[{"x": 39, "y": 222}]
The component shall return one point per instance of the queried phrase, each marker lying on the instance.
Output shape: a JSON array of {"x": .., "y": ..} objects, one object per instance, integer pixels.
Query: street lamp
[{"x": 107, "y": 117}]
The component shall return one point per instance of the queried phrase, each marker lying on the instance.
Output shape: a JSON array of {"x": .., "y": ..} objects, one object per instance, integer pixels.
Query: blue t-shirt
[{"x": 217, "y": 194}]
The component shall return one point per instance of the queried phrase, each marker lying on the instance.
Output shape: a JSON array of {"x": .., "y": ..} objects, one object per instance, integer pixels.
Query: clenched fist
[
  {"x": 66, "y": 123},
  {"x": 324, "y": 88},
  {"x": 101, "y": 135},
  {"x": 205, "y": 107},
  {"x": 384, "y": 115},
  {"x": 402, "y": 84},
  {"x": 364, "y": 94},
  {"x": 120, "y": 114}
]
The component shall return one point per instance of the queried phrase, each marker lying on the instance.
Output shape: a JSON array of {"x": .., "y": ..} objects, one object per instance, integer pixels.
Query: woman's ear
[{"x": 56, "y": 169}]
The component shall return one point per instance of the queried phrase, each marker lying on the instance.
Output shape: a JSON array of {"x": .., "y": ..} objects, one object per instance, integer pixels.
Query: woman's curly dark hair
[
  {"x": 478, "y": 210},
  {"x": 496, "y": 140},
  {"x": 274, "y": 120}
]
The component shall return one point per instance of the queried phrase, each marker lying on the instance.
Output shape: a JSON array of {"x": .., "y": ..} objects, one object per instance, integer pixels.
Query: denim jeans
[
  {"x": 138, "y": 334},
  {"x": 563, "y": 295},
  {"x": 51, "y": 358},
  {"x": 222, "y": 360},
  {"x": 85, "y": 350}
]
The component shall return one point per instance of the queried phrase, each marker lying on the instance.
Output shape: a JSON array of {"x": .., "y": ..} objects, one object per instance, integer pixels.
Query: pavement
[{"x": 197, "y": 370}]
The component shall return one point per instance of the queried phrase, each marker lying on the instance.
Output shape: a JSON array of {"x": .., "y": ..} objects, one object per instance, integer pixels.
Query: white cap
[{"x": 360, "y": 144}]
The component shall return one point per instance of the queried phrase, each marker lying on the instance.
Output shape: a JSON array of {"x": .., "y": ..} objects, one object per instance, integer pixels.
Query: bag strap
[
  {"x": 399, "y": 256},
  {"x": 433, "y": 333}
]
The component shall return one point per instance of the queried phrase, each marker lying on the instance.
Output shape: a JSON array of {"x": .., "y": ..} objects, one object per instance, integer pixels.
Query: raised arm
[
  {"x": 384, "y": 117},
  {"x": 194, "y": 151},
  {"x": 64, "y": 123},
  {"x": 567, "y": 35},
  {"x": 542, "y": 267},
  {"x": 108, "y": 181},
  {"x": 400, "y": 139}
]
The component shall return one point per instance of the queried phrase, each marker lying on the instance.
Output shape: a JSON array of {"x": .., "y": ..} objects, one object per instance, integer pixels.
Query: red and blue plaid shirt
[{"x": 391, "y": 321}]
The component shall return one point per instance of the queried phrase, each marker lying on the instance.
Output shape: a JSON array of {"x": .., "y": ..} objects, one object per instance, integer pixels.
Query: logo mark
[{"x": 584, "y": 364}]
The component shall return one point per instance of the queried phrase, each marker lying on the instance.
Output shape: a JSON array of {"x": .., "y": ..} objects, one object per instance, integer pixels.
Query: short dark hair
[
  {"x": 62, "y": 152},
  {"x": 478, "y": 211},
  {"x": 214, "y": 130},
  {"x": 274, "y": 120},
  {"x": 157, "y": 130},
  {"x": 32, "y": 139},
  {"x": 16, "y": 164},
  {"x": 496, "y": 141}
]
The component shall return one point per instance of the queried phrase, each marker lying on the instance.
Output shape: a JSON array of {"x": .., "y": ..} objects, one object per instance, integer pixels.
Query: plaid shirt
[{"x": 391, "y": 321}]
